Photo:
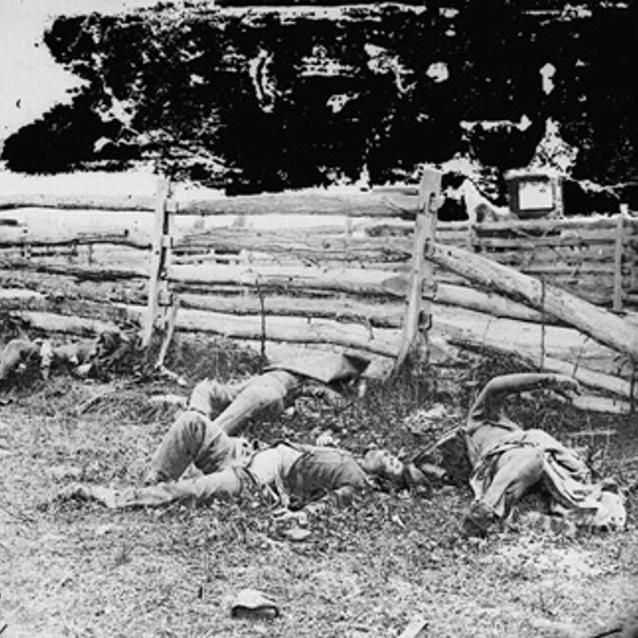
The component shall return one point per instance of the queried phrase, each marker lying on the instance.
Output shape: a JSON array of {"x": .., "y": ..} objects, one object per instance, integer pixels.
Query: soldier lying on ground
[
  {"x": 292, "y": 474},
  {"x": 506, "y": 461},
  {"x": 20, "y": 354},
  {"x": 228, "y": 462},
  {"x": 81, "y": 357},
  {"x": 325, "y": 375}
]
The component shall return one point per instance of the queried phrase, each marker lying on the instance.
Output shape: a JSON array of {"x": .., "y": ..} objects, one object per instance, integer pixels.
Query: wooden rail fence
[{"x": 359, "y": 283}]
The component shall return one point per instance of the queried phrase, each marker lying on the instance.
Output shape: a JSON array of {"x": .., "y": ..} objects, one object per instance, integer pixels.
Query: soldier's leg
[
  {"x": 516, "y": 471},
  {"x": 211, "y": 397},
  {"x": 262, "y": 393},
  {"x": 192, "y": 438},
  {"x": 224, "y": 484}
]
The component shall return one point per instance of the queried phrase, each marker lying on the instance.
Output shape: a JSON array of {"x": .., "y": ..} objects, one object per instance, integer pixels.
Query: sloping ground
[{"x": 80, "y": 571}]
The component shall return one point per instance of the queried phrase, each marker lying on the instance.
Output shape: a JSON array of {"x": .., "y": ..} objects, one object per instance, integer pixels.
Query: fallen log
[{"x": 589, "y": 319}]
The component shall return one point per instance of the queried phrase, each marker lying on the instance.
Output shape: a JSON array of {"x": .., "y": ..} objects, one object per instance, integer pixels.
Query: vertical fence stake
[
  {"x": 541, "y": 363},
  {"x": 422, "y": 274},
  {"x": 618, "y": 259},
  {"x": 158, "y": 258}
]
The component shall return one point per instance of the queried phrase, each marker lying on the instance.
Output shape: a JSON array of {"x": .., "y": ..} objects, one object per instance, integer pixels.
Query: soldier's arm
[{"x": 490, "y": 400}]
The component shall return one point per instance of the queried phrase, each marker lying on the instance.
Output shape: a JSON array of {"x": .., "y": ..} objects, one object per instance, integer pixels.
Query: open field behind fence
[{"x": 342, "y": 280}]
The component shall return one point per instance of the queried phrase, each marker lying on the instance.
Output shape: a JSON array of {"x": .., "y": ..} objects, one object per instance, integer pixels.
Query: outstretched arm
[{"x": 490, "y": 400}]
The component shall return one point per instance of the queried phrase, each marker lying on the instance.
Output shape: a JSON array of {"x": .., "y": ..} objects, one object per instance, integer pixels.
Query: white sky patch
[
  {"x": 30, "y": 80},
  {"x": 547, "y": 71},
  {"x": 490, "y": 125},
  {"x": 438, "y": 72}
]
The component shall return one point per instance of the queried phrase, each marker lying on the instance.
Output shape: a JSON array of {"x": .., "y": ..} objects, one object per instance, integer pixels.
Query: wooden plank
[{"x": 422, "y": 271}]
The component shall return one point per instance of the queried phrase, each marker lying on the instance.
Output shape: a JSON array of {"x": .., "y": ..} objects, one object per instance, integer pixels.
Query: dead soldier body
[
  {"x": 230, "y": 465},
  {"x": 290, "y": 474},
  {"x": 507, "y": 461}
]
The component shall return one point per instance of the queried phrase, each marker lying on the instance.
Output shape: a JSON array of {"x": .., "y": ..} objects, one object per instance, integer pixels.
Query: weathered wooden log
[
  {"x": 349, "y": 201},
  {"x": 493, "y": 243},
  {"x": 96, "y": 273},
  {"x": 448, "y": 322},
  {"x": 574, "y": 271},
  {"x": 123, "y": 203},
  {"x": 357, "y": 282},
  {"x": 538, "y": 256},
  {"x": 51, "y": 322},
  {"x": 593, "y": 403},
  {"x": 539, "y": 225},
  {"x": 589, "y": 319},
  {"x": 378, "y": 315},
  {"x": 304, "y": 245},
  {"x": 19, "y": 295},
  {"x": 286, "y": 329},
  {"x": 70, "y": 238}
]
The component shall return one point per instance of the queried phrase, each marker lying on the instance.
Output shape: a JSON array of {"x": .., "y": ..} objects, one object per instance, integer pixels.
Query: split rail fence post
[
  {"x": 418, "y": 316},
  {"x": 161, "y": 240},
  {"x": 618, "y": 259}
]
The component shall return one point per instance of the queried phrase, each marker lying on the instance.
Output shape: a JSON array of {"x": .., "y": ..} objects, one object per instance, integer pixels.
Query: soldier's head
[{"x": 380, "y": 462}]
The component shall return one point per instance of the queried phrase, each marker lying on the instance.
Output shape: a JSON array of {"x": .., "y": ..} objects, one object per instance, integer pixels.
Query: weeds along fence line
[{"x": 344, "y": 283}]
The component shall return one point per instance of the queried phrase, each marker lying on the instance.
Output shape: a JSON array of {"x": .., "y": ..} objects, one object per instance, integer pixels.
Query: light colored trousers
[
  {"x": 516, "y": 471},
  {"x": 238, "y": 403},
  {"x": 193, "y": 438}
]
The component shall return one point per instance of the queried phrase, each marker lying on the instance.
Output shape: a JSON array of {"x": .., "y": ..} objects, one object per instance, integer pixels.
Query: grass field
[{"x": 77, "y": 570}]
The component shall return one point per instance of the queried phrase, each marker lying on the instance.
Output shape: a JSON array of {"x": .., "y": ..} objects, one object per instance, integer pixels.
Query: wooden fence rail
[{"x": 346, "y": 283}]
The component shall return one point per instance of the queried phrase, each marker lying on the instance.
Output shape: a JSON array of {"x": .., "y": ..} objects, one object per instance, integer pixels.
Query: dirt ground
[{"x": 69, "y": 569}]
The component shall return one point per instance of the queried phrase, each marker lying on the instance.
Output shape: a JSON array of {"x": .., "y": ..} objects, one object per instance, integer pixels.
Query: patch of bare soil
[{"x": 78, "y": 570}]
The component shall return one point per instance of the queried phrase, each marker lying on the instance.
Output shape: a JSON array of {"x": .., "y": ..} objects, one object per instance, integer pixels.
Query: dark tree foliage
[{"x": 181, "y": 78}]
